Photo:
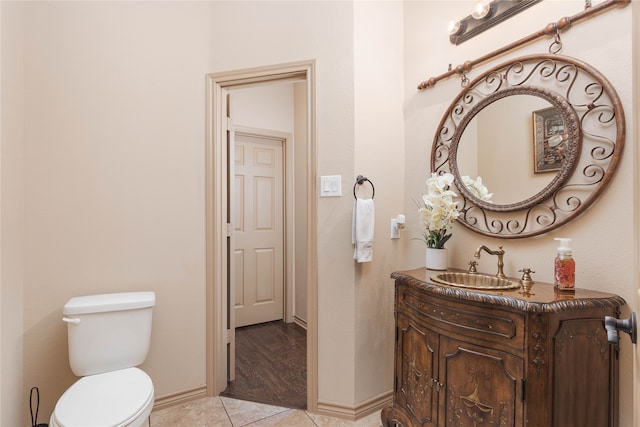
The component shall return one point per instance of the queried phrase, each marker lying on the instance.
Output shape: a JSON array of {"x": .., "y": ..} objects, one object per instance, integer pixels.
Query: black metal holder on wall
[{"x": 359, "y": 181}]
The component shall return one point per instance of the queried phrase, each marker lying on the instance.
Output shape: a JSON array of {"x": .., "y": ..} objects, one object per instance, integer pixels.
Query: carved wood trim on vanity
[
  {"x": 548, "y": 301},
  {"x": 468, "y": 357},
  {"x": 538, "y": 340}
]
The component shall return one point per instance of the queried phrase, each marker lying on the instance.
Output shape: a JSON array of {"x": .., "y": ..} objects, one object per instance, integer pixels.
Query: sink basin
[{"x": 473, "y": 281}]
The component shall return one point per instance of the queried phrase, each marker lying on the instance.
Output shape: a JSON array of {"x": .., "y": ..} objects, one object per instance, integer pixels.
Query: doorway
[
  {"x": 219, "y": 327},
  {"x": 269, "y": 361}
]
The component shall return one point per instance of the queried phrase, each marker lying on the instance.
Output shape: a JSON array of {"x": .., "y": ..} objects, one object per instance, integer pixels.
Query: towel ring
[{"x": 359, "y": 181}]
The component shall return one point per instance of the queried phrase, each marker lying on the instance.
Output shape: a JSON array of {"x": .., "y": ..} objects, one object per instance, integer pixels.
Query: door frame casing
[{"x": 216, "y": 186}]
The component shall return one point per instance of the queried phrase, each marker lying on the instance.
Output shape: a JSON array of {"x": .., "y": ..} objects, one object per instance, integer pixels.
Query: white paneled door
[{"x": 258, "y": 229}]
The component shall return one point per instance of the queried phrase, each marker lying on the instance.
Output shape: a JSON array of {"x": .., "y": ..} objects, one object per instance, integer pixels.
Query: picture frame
[{"x": 549, "y": 140}]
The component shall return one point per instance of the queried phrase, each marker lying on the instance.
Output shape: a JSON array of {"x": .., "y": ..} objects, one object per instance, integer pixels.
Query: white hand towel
[{"x": 363, "y": 225}]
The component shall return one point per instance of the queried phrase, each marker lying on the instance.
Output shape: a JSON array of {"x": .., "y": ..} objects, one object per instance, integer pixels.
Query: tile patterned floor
[{"x": 226, "y": 412}]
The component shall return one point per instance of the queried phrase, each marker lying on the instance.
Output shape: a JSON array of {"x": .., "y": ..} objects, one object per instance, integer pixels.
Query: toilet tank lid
[{"x": 109, "y": 302}]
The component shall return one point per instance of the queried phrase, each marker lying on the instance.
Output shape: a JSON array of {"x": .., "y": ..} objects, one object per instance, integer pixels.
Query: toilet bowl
[
  {"x": 109, "y": 336},
  {"x": 121, "y": 398}
]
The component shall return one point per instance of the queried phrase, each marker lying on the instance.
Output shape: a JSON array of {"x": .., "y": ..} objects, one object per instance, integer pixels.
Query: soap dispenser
[{"x": 564, "y": 267}]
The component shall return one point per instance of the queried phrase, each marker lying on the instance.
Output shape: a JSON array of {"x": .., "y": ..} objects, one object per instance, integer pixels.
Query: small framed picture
[{"x": 549, "y": 140}]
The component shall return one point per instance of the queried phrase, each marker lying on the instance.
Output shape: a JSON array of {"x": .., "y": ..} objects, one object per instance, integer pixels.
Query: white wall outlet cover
[{"x": 395, "y": 231}]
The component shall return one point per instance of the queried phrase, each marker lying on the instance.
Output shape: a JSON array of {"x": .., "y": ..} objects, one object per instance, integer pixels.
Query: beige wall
[
  {"x": 264, "y": 107},
  {"x": 11, "y": 214},
  {"x": 604, "y": 236},
  {"x": 379, "y": 155},
  {"x": 114, "y": 120},
  {"x": 114, "y": 177}
]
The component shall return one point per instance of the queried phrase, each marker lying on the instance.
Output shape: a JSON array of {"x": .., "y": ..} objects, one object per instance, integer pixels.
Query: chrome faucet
[{"x": 499, "y": 253}]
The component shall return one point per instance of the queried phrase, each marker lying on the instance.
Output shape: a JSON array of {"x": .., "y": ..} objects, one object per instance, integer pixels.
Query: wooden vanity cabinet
[{"x": 470, "y": 358}]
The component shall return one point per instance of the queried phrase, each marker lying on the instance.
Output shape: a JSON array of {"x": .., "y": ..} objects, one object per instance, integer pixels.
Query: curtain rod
[{"x": 551, "y": 29}]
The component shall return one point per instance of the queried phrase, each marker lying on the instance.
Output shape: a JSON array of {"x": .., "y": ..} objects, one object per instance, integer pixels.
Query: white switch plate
[{"x": 331, "y": 186}]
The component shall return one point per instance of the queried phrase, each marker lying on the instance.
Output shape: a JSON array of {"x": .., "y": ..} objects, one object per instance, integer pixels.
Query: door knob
[{"x": 613, "y": 325}]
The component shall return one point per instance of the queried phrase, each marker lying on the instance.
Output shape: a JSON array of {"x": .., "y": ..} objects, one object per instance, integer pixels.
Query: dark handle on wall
[
  {"x": 359, "y": 181},
  {"x": 613, "y": 325}
]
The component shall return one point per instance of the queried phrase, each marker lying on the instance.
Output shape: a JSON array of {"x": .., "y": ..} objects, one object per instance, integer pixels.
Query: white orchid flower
[
  {"x": 477, "y": 188},
  {"x": 439, "y": 209}
]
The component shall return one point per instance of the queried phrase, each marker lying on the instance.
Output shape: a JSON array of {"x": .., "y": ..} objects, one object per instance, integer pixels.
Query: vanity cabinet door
[
  {"x": 585, "y": 370},
  {"x": 481, "y": 386},
  {"x": 416, "y": 356}
]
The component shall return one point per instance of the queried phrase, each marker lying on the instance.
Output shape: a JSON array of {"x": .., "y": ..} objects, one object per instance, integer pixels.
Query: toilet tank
[{"x": 108, "y": 332}]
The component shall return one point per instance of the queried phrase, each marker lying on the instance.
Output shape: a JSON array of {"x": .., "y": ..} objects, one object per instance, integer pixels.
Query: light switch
[{"x": 331, "y": 186}]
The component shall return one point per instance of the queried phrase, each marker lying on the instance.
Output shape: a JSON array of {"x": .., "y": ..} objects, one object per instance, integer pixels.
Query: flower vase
[{"x": 437, "y": 259}]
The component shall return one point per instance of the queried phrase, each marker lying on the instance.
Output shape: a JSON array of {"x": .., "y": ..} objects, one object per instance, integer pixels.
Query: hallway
[{"x": 271, "y": 365}]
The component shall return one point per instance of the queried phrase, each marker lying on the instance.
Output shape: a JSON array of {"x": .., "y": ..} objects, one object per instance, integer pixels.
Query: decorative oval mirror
[{"x": 531, "y": 144}]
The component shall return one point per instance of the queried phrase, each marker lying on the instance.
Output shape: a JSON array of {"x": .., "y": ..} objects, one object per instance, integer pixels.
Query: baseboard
[
  {"x": 354, "y": 413},
  {"x": 300, "y": 322},
  {"x": 178, "y": 398}
]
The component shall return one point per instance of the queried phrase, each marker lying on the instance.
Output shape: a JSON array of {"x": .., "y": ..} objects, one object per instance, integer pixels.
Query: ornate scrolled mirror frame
[{"x": 594, "y": 131}]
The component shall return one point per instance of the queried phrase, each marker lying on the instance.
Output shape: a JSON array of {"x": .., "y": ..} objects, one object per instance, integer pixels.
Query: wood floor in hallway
[{"x": 271, "y": 365}]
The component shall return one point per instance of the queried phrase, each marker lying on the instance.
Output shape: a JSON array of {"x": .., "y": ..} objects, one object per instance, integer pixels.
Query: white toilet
[{"x": 109, "y": 335}]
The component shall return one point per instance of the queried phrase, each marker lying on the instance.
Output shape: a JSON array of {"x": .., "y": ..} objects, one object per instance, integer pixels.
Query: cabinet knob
[{"x": 613, "y": 325}]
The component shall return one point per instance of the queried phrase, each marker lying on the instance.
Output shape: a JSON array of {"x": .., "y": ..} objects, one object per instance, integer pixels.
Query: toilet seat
[{"x": 113, "y": 399}]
